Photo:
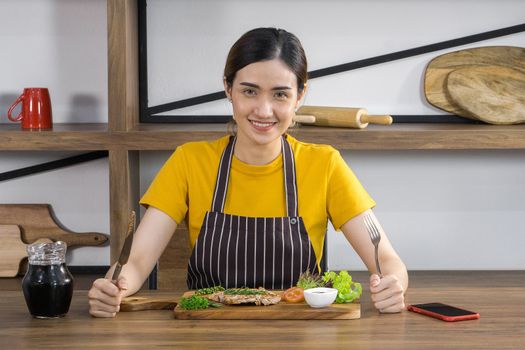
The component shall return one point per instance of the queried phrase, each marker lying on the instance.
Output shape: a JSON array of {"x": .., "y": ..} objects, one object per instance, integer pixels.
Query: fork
[{"x": 375, "y": 236}]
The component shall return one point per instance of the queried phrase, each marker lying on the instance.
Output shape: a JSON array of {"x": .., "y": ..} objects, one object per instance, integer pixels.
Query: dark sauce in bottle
[
  {"x": 48, "y": 290},
  {"x": 48, "y": 284}
]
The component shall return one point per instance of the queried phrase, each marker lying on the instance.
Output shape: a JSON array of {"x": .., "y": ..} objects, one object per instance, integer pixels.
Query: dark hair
[{"x": 264, "y": 44}]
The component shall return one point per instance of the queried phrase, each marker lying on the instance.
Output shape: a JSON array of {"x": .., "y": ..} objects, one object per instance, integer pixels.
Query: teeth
[{"x": 261, "y": 124}]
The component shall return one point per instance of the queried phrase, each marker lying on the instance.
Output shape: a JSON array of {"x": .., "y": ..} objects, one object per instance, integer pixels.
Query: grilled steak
[{"x": 259, "y": 296}]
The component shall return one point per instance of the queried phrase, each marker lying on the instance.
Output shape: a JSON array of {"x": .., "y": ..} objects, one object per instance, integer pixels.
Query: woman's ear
[
  {"x": 301, "y": 95},
  {"x": 227, "y": 89}
]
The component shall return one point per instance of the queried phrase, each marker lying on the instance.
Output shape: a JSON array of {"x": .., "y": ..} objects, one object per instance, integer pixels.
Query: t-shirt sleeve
[
  {"x": 346, "y": 196},
  {"x": 169, "y": 190}
]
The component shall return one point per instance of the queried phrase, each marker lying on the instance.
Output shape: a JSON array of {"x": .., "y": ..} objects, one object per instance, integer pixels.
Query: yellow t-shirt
[{"x": 327, "y": 188}]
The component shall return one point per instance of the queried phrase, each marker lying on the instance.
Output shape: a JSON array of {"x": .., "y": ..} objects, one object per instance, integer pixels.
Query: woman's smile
[{"x": 260, "y": 125}]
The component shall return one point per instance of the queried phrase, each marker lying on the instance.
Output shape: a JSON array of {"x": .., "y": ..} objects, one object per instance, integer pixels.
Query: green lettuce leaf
[{"x": 348, "y": 290}]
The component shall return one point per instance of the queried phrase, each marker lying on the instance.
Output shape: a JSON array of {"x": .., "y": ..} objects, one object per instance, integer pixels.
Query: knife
[{"x": 126, "y": 248}]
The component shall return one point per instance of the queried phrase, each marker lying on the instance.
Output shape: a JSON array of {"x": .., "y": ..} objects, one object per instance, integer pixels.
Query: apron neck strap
[
  {"x": 290, "y": 182},
  {"x": 223, "y": 175}
]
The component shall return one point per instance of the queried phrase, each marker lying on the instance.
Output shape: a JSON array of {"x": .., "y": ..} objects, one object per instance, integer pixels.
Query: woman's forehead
[{"x": 267, "y": 74}]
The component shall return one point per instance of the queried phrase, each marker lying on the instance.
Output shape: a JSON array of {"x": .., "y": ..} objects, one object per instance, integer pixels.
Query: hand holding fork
[
  {"x": 393, "y": 300},
  {"x": 375, "y": 236}
]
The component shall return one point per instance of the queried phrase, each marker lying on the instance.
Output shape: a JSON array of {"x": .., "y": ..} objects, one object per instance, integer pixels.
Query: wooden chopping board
[
  {"x": 39, "y": 221},
  {"x": 494, "y": 94},
  {"x": 438, "y": 69},
  {"x": 144, "y": 303},
  {"x": 12, "y": 250},
  {"x": 280, "y": 311}
]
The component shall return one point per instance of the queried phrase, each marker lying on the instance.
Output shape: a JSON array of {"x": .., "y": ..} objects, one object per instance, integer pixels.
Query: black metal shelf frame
[{"x": 150, "y": 114}]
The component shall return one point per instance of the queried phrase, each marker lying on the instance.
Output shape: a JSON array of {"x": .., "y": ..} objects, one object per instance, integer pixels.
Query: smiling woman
[
  {"x": 265, "y": 79},
  {"x": 257, "y": 203},
  {"x": 264, "y": 98}
]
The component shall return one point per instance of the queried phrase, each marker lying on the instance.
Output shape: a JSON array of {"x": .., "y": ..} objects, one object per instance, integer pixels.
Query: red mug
[{"x": 36, "y": 109}]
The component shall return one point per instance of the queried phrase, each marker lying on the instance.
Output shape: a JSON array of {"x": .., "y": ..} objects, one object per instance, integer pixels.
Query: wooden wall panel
[
  {"x": 123, "y": 71},
  {"x": 123, "y": 195},
  {"x": 174, "y": 261}
]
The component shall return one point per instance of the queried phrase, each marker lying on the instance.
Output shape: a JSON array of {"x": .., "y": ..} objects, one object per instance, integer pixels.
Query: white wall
[
  {"x": 61, "y": 45},
  {"x": 444, "y": 209},
  {"x": 58, "y": 44},
  {"x": 441, "y": 209}
]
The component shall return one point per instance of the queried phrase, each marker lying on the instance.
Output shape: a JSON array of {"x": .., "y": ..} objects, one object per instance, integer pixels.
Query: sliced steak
[{"x": 265, "y": 298}]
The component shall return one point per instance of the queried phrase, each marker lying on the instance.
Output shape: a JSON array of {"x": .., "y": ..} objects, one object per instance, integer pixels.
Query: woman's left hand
[{"x": 387, "y": 293}]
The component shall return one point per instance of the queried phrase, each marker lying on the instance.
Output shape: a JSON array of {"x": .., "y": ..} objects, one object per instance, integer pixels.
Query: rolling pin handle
[
  {"x": 304, "y": 119},
  {"x": 376, "y": 119}
]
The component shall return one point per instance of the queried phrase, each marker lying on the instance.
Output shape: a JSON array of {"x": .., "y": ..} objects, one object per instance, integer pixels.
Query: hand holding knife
[{"x": 126, "y": 248}]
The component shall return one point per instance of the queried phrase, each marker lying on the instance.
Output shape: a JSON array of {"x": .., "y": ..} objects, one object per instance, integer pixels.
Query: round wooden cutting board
[
  {"x": 438, "y": 69},
  {"x": 493, "y": 94}
]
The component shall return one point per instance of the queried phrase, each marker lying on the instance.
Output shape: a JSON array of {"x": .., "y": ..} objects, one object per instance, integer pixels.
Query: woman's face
[{"x": 264, "y": 98}]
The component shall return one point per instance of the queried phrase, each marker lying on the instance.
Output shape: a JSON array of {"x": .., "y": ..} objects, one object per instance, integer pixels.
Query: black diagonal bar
[
  {"x": 354, "y": 65},
  {"x": 56, "y": 164},
  {"x": 416, "y": 51},
  {"x": 187, "y": 102}
]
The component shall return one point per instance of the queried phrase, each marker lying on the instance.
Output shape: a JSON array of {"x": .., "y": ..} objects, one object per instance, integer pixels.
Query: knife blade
[{"x": 126, "y": 248}]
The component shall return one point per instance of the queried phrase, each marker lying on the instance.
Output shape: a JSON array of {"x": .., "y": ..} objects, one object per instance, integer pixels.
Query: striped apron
[{"x": 237, "y": 251}]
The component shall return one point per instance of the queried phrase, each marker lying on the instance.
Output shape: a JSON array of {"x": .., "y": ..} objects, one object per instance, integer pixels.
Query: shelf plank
[
  {"x": 150, "y": 137},
  {"x": 374, "y": 137},
  {"x": 63, "y": 137}
]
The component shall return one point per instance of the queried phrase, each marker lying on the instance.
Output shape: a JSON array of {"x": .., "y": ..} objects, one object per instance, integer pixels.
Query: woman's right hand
[
  {"x": 152, "y": 236},
  {"x": 105, "y": 297}
]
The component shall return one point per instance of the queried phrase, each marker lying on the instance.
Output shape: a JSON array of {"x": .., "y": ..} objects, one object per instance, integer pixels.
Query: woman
[{"x": 256, "y": 203}]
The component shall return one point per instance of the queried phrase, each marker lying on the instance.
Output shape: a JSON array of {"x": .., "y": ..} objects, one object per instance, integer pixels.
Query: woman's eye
[
  {"x": 249, "y": 92},
  {"x": 281, "y": 95}
]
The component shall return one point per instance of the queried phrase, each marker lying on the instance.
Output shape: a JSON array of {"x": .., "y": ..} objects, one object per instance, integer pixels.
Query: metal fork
[{"x": 375, "y": 236}]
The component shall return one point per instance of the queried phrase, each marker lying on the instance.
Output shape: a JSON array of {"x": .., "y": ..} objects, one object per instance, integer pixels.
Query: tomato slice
[{"x": 293, "y": 295}]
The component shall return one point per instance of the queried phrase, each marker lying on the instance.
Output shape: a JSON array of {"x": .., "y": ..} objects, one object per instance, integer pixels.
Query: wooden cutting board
[
  {"x": 39, "y": 221},
  {"x": 493, "y": 94},
  {"x": 280, "y": 311},
  {"x": 12, "y": 250},
  {"x": 438, "y": 69},
  {"x": 142, "y": 303}
]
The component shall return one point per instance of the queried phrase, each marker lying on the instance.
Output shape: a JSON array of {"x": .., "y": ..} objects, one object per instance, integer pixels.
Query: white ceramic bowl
[{"x": 320, "y": 297}]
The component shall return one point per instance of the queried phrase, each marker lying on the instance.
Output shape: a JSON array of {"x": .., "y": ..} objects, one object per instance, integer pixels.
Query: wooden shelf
[
  {"x": 63, "y": 137},
  {"x": 169, "y": 136},
  {"x": 374, "y": 137},
  {"x": 124, "y": 136}
]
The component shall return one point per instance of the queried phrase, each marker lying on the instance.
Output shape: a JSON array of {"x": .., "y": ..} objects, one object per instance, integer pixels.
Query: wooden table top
[{"x": 498, "y": 296}]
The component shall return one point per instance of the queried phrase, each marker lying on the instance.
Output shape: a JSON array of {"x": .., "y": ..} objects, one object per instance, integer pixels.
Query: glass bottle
[{"x": 47, "y": 284}]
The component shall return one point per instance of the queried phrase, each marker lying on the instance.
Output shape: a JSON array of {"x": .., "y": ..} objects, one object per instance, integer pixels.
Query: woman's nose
[{"x": 264, "y": 108}]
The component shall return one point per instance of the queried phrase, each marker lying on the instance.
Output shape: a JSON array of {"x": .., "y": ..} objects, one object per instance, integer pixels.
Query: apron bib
[{"x": 238, "y": 251}]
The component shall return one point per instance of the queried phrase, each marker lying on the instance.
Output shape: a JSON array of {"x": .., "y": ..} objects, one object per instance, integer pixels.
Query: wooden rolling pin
[{"x": 339, "y": 117}]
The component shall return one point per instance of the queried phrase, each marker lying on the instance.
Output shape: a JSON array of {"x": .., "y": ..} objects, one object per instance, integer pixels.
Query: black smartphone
[{"x": 443, "y": 312}]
